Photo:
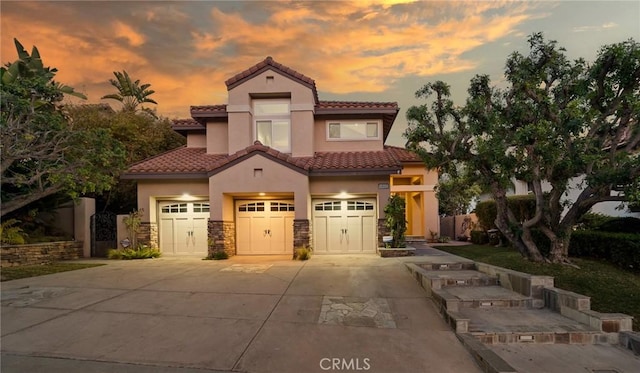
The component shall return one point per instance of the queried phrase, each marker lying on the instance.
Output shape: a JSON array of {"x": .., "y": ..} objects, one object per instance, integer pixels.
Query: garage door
[
  {"x": 183, "y": 228},
  {"x": 264, "y": 227},
  {"x": 343, "y": 226}
]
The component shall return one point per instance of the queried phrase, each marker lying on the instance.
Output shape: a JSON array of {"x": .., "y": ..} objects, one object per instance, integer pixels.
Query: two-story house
[{"x": 277, "y": 168}]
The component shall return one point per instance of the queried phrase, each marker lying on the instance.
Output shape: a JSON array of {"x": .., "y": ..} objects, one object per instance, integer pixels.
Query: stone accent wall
[
  {"x": 39, "y": 253},
  {"x": 222, "y": 237},
  {"x": 301, "y": 233},
  {"x": 148, "y": 234},
  {"x": 382, "y": 231}
]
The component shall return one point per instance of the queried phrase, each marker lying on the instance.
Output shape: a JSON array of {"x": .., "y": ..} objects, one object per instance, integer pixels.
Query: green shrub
[
  {"x": 142, "y": 252},
  {"x": 443, "y": 239},
  {"x": 621, "y": 225},
  {"x": 10, "y": 234},
  {"x": 302, "y": 253},
  {"x": 621, "y": 249},
  {"x": 396, "y": 220},
  {"x": 486, "y": 213},
  {"x": 220, "y": 255},
  {"x": 479, "y": 237}
]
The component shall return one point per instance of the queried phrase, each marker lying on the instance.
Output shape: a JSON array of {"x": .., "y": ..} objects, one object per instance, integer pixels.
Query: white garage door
[
  {"x": 183, "y": 228},
  {"x": 264, "y": 227},
  {"x": 343, "y": 226}
]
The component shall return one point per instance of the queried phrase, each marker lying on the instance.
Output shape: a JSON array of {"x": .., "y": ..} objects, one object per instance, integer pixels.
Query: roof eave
[
  {"x": 254, "y": 153},
  {"x": 356, "y": 172},
  {"x": 343, "y": 111},
  {"x": 163, "y": 175}
]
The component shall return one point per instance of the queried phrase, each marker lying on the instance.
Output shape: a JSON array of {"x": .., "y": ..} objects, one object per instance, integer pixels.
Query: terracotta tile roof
[
  {"x": 194, "y": 162},
  {"x": 186, "y": 124},
  {"x": 355, "y": 105},
  {"x": 266, "y": 64},
  {"x": 402, "y": 154},
  {"x": 208, "y": 110},
  {"x": 182, "y": 160},
  {"x": 300, "y": 163},
  {"x": 352, "y": 161}
]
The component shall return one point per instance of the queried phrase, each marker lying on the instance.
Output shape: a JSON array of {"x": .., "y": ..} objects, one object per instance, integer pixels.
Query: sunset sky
[{"x": 364, "y": 50}]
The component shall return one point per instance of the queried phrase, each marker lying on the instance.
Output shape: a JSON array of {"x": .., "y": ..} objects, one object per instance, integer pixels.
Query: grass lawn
[
  {"x": 14, "y": 273},
  {"x": 611, "y": 289}
]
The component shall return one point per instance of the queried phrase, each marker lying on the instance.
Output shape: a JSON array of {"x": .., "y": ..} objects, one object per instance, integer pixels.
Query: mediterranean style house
[{"x": 276, "y": 168}]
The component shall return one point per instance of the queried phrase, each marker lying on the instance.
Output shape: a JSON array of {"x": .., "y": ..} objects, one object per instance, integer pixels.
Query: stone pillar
[
  {"x": 382, "y": 231},
  {"x": 222, "y": 237},
  {"x": 148, "y": 234},
  {"x": 301, "y": 233}
]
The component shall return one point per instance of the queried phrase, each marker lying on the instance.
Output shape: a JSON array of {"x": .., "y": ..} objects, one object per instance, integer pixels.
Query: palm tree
[{"x": 130, "y": 93}]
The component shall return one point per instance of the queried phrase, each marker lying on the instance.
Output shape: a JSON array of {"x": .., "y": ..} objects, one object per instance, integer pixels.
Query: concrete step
[
  {"x": 450, "y": 266},
  {"x": 442, "y": 279},
  {"x": 530, "y": 326},
  {"x": 486, "y": 297}
]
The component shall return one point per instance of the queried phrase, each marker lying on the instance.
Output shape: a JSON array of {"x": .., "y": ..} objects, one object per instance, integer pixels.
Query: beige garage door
[
  {"x": 344, "y": 226},
  {"x": 264, "y": 227},
  {"x": 183, "y": 228}
]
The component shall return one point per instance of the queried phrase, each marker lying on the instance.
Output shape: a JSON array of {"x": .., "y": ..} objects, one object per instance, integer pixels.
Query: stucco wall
[
  {"x": 345, "y": 187},
  {"x": 301, "y": 133},
  {"x": 241, "y": 132},
  {"x": 196, "y": 140},
  {"x": 430, "y": 219},
  {"x": 151, "y": 191},
  {"x": 274, "y": 179},
  {"x": 300, "y": 94},
  {"x": 217, "y": 138}
]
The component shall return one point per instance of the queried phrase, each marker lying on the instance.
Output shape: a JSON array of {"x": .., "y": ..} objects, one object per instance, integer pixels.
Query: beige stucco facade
[{"x": 258, "y": 196}]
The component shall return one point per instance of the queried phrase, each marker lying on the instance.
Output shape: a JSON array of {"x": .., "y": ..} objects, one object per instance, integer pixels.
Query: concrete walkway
[{"x": 246, "y": 314}]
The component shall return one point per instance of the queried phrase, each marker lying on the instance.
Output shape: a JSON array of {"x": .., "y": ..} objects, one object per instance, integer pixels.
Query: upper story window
[
  {"x": 353, "y": 130},
  {"x": 273, "y": 123}
]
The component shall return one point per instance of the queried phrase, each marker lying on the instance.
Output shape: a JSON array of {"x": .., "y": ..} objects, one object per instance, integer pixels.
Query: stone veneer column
[
  {"x": 222, "y": 237},
  {"x": 301, "y": 233},
  {"x": 382, "y": 231},
  {"x": 148, "y": 234}
]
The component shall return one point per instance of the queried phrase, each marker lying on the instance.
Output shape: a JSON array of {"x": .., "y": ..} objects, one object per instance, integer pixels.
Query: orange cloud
[
  {"x": 122, "y": 30},
  {"x": 362, "y": 46}
]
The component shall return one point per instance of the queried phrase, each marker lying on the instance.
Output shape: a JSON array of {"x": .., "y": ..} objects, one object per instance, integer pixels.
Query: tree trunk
[
  {"x": 533, "y": 253},
  {"x": 559, "y": 244}
]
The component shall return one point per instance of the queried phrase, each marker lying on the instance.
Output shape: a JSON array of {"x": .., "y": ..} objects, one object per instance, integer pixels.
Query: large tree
[
  {"x": 559, "y": 125},
  {"x": 42, "y": 154},
  {"x": 140, "y": 134}
]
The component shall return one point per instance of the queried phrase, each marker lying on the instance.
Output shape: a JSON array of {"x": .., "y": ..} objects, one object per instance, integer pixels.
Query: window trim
[{"x": 364, "y": 121}]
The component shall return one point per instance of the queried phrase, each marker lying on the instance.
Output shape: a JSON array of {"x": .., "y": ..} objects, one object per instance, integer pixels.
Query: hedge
[
  {"x": 621, "y": 249},
  {"x": 479, "y": 237}
]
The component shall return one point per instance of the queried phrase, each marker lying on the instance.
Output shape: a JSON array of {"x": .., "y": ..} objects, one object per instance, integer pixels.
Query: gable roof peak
[{"x": 270, "y": 64}]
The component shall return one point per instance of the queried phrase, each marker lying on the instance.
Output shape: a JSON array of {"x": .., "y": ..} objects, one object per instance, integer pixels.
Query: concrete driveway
[{"x": 246, "y": 314}]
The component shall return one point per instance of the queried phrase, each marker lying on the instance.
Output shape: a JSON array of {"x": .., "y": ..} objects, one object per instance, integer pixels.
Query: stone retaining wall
[{"x": 39, "y": 253}]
